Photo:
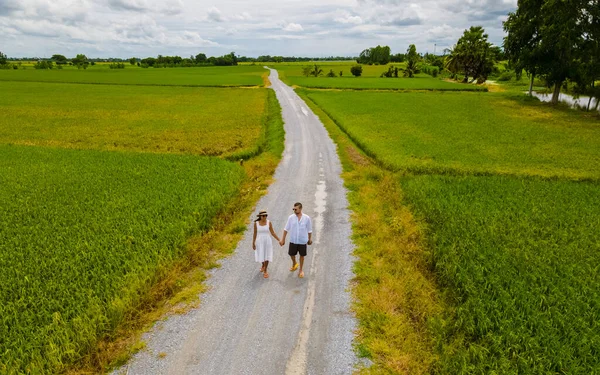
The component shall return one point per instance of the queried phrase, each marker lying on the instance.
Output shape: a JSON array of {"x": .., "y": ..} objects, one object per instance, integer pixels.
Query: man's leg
[
  {"x": 301, "y": 273},
  {"x": 293, "y": 263}
]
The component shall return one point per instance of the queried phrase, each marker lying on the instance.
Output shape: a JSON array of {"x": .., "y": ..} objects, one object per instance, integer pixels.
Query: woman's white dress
[{"x": 264, "y": 245}]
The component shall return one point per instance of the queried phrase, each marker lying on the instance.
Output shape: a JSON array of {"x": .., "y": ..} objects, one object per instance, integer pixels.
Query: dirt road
[{"x": 282, "y": 325}]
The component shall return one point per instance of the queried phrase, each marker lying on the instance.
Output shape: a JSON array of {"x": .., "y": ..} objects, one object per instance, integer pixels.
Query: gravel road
[{"x": 282, "y": 325}]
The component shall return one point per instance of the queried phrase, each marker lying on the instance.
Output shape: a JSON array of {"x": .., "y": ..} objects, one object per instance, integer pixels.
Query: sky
[{"x": 311, "y": 28}]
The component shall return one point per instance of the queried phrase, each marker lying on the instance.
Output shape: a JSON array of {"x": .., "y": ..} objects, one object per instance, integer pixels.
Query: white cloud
[
  {"x": 293, "y": 27},
  {"x": 214, "y": 14},
  {"x": 129, "y": 5},
  {"x": 125, "y": 28},
  {"x": 244, "y": 16},
  {"x": 347, "y": 18}
]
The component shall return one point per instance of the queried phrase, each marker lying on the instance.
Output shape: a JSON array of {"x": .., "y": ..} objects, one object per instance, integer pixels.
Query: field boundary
[
  {"x": 130, "y": 84},
  {"x": 393, "y": 89}
]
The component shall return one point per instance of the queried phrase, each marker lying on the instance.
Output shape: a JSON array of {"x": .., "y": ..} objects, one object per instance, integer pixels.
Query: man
[{"x": 299, "y": 226}]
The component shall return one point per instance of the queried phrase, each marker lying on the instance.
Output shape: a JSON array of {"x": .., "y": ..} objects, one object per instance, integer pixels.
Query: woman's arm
[
  {"x": 254, "y": 238},
  {"x": 272, "y": 231}
]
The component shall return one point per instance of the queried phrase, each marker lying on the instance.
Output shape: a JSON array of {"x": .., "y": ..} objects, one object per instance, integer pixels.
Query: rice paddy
[
  {"x": 494, "y": 202},
  {"x": 247, "y": 75},
  {"x": 149, "y": 119},
  {"x": 103, "y": 185}
]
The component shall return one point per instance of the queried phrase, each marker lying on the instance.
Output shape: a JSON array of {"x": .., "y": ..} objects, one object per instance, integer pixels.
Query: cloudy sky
[{"x": 142, "y": 28}]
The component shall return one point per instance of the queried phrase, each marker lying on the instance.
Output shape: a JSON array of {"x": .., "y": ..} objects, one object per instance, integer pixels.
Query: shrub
[
  {"x": 506, "y": 76},
  {"x": 43, "y": 64},
  {"x": 356, "y": 70},
  {"x": 331, "y": 73}
]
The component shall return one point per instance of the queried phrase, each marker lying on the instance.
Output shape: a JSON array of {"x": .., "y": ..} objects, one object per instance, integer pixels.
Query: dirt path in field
[{"x": 282, "y": 325}]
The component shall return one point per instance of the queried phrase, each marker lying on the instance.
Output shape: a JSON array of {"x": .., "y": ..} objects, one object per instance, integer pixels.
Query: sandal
[
  {"x": 301, "y": 274},
  {"x": 262, "y": 269},
  {"x": 294, "y": 267},
  {"x": 266, "y": 275}
]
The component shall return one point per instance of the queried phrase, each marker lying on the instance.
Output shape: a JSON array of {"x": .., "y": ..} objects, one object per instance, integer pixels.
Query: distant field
[
  {"x": 99, "y": 74},
  {"x": 466, "y": 133},
  {"x": 84, "y": 233},
  {"x": 370, "y": 79},
  {"x": 366, "y": 83},
  {"x": 521, "y": 258},
  {"x": 153, "y": 119}
]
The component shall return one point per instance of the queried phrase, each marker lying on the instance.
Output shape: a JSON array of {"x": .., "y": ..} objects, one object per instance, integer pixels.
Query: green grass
[
  {"x": 201, "y": 76},
  {"x": 467, "y": 133},
  {"x": 520, "y": 257},
  {"x": 150, "y": 119},
  {"x": 85, "y": 233}
]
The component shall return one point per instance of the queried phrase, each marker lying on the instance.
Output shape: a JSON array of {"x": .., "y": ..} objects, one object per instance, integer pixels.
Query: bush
[
  {"x": 505, "y": 76},
  {"x": 331, "y": 73},
  {"x": 117, "y": 66},
  {"x": 356, "y": 70},
  {"x": 43, "y": 64}
]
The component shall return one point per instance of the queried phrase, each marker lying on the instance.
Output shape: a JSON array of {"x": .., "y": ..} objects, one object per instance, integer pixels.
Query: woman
[{"x": 261, "y": 242}]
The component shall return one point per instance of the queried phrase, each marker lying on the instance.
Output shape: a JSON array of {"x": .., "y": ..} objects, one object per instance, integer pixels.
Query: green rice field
[
  {"x": 84, "y": 233},
  {"x": 246, "y": 75},
  {"x": 506, "y": 192},
  {"x": 150, "y": 119},
  {"x": 103, "y": 186},
  {"x": 521, "y": 257},
  {"x": 466, "y": 133}
]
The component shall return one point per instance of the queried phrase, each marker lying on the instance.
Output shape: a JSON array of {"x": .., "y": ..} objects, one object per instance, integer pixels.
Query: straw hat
[{"x": 262, "y": 212}]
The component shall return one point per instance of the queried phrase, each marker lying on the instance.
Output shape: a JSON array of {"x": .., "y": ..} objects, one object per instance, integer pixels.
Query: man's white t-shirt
[{"x": 298, "y": 230}]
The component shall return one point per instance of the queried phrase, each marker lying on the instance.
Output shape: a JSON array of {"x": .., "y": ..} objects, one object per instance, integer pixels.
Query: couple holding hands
[{"x": 299, "y": 227}]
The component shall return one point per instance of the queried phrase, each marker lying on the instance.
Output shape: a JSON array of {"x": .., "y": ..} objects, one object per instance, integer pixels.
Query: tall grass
[{"x": 84, "y": 235}]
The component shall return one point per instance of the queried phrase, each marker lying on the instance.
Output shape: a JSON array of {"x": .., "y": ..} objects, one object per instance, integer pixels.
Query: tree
[
  {"x": 3, "y": 59},
  {"x": 200, "y": 58},
  {"x": 589, "y": 55},
  {"x": 316, "y": 71},
  {"x": 132, "y": 61},
  {"x": 471, "y": 55},
  {"x": 412, "y": 62},
  {"x": 375, "y": 55},
  {"x": 81, "y": 61},
  {"x": 547, "y": 38},
  {"x": 356, "y": 70},
  {"x": 59, "y": 59},
  {"x": 331, "y": 73}
]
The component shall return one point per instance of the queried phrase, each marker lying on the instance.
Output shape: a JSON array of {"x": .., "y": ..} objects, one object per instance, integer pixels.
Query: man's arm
[
  {"x": 282, "y": 242},
  {"x": 309, "y": 228}
]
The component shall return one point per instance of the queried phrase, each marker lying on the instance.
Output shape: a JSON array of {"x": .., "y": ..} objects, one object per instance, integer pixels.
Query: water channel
[{"x": 581, "y": 102}]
